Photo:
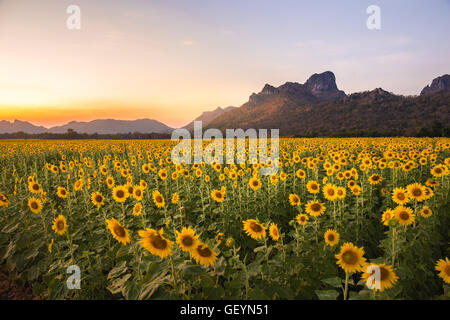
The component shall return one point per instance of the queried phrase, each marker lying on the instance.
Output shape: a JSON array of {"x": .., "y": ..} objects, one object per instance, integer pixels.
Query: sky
[{"x": 170, "y": 60}]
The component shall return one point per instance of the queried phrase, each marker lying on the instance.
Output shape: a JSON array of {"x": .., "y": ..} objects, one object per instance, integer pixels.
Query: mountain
[
  {"x": 111, "y": 126},
  {"x": 20, "y": 126},
  {"x": 438, "y": 84},
  {"x": 318, "y": 107},
  {"x": 208, "y": 116}
]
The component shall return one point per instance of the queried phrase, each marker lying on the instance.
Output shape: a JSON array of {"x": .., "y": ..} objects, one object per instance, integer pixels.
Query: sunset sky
[{"x": 171, "y": 60}]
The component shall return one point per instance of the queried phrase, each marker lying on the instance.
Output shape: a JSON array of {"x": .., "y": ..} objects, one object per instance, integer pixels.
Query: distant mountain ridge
[
  {"x": 100, "y": 126},
  {"x": 316, "y": 107},
  {"x": 208, "y": 116}
]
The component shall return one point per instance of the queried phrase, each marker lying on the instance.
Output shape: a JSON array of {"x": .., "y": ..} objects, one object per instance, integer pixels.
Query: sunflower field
[{"x": 139, "y": 226}]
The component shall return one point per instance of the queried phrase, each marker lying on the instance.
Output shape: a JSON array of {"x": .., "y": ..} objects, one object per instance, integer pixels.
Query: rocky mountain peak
[
  {"x": 441, "y": 83},
  {"x": 323, "y": 86}
]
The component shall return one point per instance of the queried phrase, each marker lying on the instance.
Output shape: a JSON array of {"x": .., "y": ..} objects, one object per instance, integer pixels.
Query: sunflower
[
  {"x": 220, "y": 235},
  {"x": 300, "y": 173},
  {"x": 137, "y": 209},
  {"x": 254, "y": 183},
  {"x": 331, "y": 237},
  {"x": 61, "y": 192},
  {"x": 273, "y": 232},
  {"x": 158, "y": 199},
  {"x": 404, "y": 215},
  {"x": 155, "y": 243},
  {"x": 118, "y": 231},
  {"x": 350, "y": 258},
  {"x": 78, "y": 185},
  {"x": 438, "y": 171},
  {"x": 175, "y": 198},
  {"x": 204, "y": 255},
  {"x": 35, "y": 205},
  {"x": 254, "y": 229},
  {"x": 313, "y": 187},
  {"x": 444, "y": 267},
  {"x": 4, "y": 201},
  {"x": 387, "y": 276},
  {"x": 120, "y": 193},
  {"x": 329, "y": 192},
  {"x": 387, "y": 216},
  {"x": 110, "y": 182},
  {"x": 294, "y": 200},
  {"x": 138, "y": 192},
  {"x": 356, "y": 190},
  {"x": 315, "y": 208},
  {"x": 375, "y": 179},
  {"x": 341, "y": 192},
  {"x": 400, "y": 196},
  {"x": 425, "y": 212},
  {"x": 59, "y": 225},
  {"x": 302, "y": 219},
  {"x": 187, "y": 240},
  {"x": 218, "y": 195},
  {"x": 416, "y": 191},
  {"x": 97, "y": 199},
  {"x": 34, "y": 187}
]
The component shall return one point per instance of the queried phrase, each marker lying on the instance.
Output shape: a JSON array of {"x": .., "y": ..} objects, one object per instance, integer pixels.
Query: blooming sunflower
[
  {"x": 138, "y": 192},
  {"x": 404, "y": 215},
  {"x": 34, "y": 187},
  {"x": 120, "y": 193},
  {"x": 4, "y": 201},
  {"x": 187, "y": 240},
  {"x": 118, "y": 231},
  {"x": 387, "y": 276},
  {"x": 137, "y": 209},
  {"x": 175, "y": 198},
  {"x": 341, "y": 192},
  {"x": 254, "y": 183},
  {"x": 387, "y": 216},
  {"x": 350, "y": 258},
  {"x": 158, "y": 199},
  {"x": 313, "y": 187},
  {"x": 315, "y": 208},
  {"x": 438, "y": 171},
  {"x": 218, "y": 195},
  {"x": 61, "y": 192},
  {"x": 204, "y": 255},
  {"x": 331, "y": 237},
  {"x": 254, "y": 229},
  {"x": 444, "y": 267},
  {"x": 35, "y": 205},
  {"x": 302, "y": 219},
  {"x": 273, "y": 232},
  {"x": 329, "y": 192},
  {"x": 97, "y": 199},
  {"x": 155, "y": 243},
  {"x": 416, "y": 191},
  {"x": 400, "y": 196},
  {"x": 60, "y": 225},
  {"x": 294, "y": 200},
  {"x": 426, "y": 212},
  {"x": 375, "y": 179}
]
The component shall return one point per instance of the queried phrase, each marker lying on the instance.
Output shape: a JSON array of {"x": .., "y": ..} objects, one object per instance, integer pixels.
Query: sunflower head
[
  {"x": 35, "y": 205},
  {"x": 379, "y": 277},
  {"x": 350, "y": 258},
  {"x": 155, "y": 242},
  {"x": 187, "y": 240},
  {"x": 315, "y": 208},
  {"x": 158, "y": 199},
  {"x": 443, "y": 266},
  {"x": 273, "y": 232},
  {"x": 294, "y": 200},
  {"x": 302, "y": 219},
  {"x": 331, "y": 237},
  {"x": 254, "y": 229},
  {"x": 59, "y": 225},
  {"x": 118, "y": 231},
  {"x": 404, "y": 215},
  {"x": 204, "y": 255}
]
